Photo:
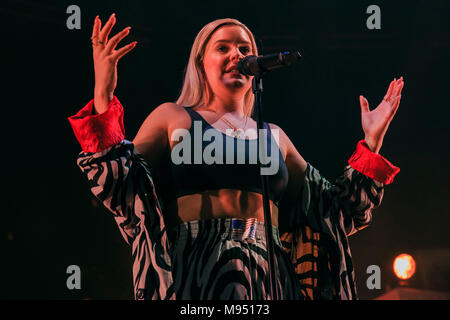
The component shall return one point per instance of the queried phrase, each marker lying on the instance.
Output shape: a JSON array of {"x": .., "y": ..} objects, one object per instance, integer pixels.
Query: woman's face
[{"x": 225, "y": 48}]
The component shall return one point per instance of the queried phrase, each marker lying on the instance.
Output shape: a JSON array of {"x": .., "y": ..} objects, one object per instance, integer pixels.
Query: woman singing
[{"x": 196, "y": 227}]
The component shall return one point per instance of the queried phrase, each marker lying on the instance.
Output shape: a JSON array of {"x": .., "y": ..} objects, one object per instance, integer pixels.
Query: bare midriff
[{"x": 221, "y": 203}]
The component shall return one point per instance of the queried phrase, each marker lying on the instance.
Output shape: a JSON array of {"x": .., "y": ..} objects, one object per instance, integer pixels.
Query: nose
[{"x": 236, "y": 54}]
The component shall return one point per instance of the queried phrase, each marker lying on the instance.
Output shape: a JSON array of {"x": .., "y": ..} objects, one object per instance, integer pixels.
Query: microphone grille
[{"x": 248, "y": 66}]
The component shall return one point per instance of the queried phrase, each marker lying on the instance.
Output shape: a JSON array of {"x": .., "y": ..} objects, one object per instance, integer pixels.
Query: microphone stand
[{"x": 257, "y": 90}]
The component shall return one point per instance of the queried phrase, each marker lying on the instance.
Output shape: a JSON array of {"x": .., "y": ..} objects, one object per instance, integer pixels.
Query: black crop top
[{"x": 191, "y": 176}]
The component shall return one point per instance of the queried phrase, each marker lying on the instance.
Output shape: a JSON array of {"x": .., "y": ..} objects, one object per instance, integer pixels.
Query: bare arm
[
  {"x": 152, "y": 140},
  {"x": 295, "y": 164}
]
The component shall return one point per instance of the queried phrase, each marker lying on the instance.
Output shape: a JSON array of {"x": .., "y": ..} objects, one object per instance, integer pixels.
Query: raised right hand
[{"x": 106, "y": 59}]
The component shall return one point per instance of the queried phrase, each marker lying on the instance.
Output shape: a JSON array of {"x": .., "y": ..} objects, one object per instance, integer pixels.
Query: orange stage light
[{"x": 404, "y": 266}]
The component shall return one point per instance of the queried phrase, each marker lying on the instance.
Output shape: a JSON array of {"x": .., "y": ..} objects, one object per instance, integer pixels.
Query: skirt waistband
[{"x": 228, "y": 228}]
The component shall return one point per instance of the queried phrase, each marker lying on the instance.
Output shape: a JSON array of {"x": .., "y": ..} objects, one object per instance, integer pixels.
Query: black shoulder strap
[{"x": 193, "y": 114}]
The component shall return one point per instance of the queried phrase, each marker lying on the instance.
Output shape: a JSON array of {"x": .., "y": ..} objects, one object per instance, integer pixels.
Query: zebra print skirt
[{"x": 226, "y": 259}]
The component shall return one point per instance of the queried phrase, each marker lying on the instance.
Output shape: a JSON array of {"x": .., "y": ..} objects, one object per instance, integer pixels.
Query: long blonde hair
[{"x": 196, "y": 90}]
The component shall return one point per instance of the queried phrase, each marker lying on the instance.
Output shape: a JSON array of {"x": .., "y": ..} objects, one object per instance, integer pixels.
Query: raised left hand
[{"x": 376, "y": 122}]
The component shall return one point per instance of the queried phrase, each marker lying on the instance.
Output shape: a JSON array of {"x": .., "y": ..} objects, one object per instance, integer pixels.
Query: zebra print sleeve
[
  {"x": 352, "y": 198},
  {"x": 120, "y": 178},
  {"x": 315, "y": 229},
  {"x": 117, "y": 177},
  {"x": 348, "y": 202},
  {"x": 318, "y": 227}
]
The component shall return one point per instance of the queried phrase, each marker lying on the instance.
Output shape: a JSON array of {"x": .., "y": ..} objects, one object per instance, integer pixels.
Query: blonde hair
[{"x": 196, "y": 90}]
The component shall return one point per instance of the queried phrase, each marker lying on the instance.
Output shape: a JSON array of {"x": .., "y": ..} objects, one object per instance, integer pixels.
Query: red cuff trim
[
  {"x": 96, "y": 132},
  {"x": 372, "y": 165}
]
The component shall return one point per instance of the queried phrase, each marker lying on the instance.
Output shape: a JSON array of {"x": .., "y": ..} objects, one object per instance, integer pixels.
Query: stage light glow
[{"x": 404, "y": 266}]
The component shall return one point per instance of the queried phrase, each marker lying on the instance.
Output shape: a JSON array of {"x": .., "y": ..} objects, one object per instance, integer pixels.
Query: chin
[{"x": 237, "y": 84}]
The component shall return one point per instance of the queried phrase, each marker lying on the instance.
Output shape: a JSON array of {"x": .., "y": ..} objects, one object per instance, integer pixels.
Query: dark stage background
[{"x": 50, "y": 220}]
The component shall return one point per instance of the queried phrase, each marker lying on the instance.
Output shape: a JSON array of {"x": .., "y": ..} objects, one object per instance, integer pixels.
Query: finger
[
  {"x": 364, "y": 104},
  {"x": 399, "y": 88},
  {"x": 96, "y": 27},
  {"x": 396, "y": 105},
  {"x": 124, "y": 50},
  {"x": 396, "y": 90},
  {"x": 112, "y": 43},
  {"x": 390, "y": 89},
  {"x": 107, "y": 28},
  {"x": 397, "y": 102}
]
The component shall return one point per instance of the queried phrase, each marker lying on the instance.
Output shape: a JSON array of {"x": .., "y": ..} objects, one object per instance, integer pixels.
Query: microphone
[{"x": 256, "y": 66}]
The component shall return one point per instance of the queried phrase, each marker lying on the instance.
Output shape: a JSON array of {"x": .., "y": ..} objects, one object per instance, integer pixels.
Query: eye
[
  {"x": 222, "y": 48},
  {"x": 245, "y": 50}
]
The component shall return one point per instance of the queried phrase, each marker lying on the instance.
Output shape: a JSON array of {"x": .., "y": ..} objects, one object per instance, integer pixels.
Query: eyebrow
[{"x": 229, "y": 41}]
